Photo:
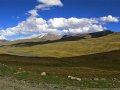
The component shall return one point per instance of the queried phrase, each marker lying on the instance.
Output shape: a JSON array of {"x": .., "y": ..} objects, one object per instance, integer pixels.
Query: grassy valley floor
[{"x": 100, "y": 70}]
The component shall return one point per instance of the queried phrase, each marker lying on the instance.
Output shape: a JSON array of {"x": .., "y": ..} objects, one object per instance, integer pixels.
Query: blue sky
[{"x": 12, "y": 12}]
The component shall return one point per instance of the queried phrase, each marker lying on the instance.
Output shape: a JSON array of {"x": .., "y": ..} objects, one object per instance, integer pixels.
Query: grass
[
  {"x": 88, "y": 67},
  {"x": 32, "y": 77}
]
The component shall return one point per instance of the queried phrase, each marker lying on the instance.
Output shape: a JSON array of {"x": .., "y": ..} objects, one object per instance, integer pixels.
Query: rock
[
  {"x": 68, "y": 88},
  {"x": 72, "y": 77},
  {"x": 69, "y": 76},
  {"x": 78, "y": 79},
  {"x": 103, "y": 79},
  {"x": 43, "y": 74},
  {"x": 19, "y": 68},
  {"x": 96, "y": 79}
]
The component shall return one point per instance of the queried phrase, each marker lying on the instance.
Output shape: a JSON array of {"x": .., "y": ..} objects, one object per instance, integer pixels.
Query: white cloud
[
  {"x": 36, "y": 26},
  {"x": 76, "y": 25},
  {"x": 48, "y": 3},
  {"x": 2, "y": 37},
  {"x": 70, "y": 22},
  {"x": 44, "y": 5},
  {"x": 30, "y": 26},
  {"x": 33, "y": 13},
  {"x": 109, "y": 18}
]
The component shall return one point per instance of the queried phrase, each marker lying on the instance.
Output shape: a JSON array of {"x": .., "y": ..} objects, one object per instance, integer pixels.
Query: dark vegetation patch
[{"x": 101, "y": 64}]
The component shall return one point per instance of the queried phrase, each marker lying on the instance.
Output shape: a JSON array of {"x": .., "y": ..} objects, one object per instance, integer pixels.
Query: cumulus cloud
[
  {"x": 109, "y": 18},
  {"x": 33, "y": 13},
  {"x": 44, "y": 5},
  {"x": 48, "y": 3},
  {"x": 35, "y": 26},
  {"x": 70, "y": 22},
  {"x": 31, "y": 25},
  {"x": 75, "y": 25},
  {"x": 61, "y": 26},
  {"x": 2, "y": 37}
]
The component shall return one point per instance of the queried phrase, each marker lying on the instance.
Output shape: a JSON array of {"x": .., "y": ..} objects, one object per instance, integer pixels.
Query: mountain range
[
  {"x": 64, "y": 46},
  {"x": 3, "y": 40},
  {"x": 53, "y": 37}
]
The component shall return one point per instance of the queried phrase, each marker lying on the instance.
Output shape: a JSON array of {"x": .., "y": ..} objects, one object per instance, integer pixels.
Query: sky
[{"x": 24, "y": 19}]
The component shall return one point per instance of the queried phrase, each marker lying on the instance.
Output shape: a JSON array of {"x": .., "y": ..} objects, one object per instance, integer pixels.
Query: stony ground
[
  {"x": 6, "y": 84},
  {"x": 9, "y": 84}
]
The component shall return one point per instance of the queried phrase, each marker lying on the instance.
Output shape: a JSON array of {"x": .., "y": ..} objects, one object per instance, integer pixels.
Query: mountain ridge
[{"x": 3, "y": 40}]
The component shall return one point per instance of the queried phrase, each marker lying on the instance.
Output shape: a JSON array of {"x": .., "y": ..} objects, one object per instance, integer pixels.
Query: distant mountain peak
[
  {"x": 3, "y": 40},
  {"x": 41, "y": 35},
  {"x": 50, "y": 37}
]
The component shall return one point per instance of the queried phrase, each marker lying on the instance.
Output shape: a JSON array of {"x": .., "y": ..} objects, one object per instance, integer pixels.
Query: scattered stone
[
  {"x": 19, "y": 68},
  {"x": 72, "y": 77},
  {"x": 43, "y": 74},
  {"x": 90, "y": 79},
  {"x": 114, "y": 79},
  {"x": 78, "y": 79},
  {"x": 68, "y": 88},
  {"x": 96, "y": 79},
  {"x": 69, "y": 76},
  {"x": 18, "y": 72},
  {"x": 103, "y": 79}
]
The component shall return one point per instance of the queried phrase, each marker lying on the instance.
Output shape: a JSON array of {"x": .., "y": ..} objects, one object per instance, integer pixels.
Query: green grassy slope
[
  {"x": 103, "y": 66},
  {"x": 87, "y": 65},
  {"x": 66, "y": 48}
]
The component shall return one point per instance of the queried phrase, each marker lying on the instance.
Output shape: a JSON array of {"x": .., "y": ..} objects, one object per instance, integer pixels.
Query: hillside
[{"x": 64, "y": 47}]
